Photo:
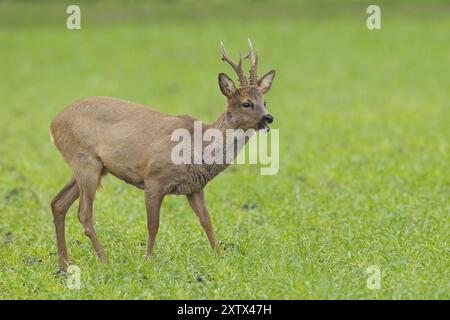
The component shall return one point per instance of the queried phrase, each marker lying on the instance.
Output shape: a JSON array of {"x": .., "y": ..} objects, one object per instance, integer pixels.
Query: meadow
[{"x": 364, "y": 179}]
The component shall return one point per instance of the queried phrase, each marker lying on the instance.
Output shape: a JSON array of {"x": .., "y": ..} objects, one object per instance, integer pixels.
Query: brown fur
[{"x": 100, "y": 135}]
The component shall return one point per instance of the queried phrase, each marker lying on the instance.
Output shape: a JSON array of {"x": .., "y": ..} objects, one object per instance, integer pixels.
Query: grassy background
[{"x": 364, "y": 125}]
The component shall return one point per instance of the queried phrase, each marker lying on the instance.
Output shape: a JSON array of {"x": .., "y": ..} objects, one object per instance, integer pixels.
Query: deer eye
[{"x": 247, "y": 105}]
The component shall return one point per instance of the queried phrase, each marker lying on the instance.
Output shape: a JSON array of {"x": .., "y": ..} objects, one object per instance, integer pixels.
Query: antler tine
[
  {"x": 254, "y": 63},
  {"x": 236, "y": 66}
]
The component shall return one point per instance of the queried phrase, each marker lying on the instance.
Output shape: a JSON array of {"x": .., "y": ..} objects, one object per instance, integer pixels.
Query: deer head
[{"x": 246, "y": 105}]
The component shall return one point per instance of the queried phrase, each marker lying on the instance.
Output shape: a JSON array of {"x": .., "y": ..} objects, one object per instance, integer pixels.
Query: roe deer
[{"x": 100, "y": 135}]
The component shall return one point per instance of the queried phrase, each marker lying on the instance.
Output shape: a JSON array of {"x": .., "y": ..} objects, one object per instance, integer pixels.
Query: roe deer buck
[{"x": 100, "y": 135}]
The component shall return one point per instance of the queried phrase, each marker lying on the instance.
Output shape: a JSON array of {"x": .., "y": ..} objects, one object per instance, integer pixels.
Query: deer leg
[
  {"x": 153, "y": 201},
  {"x": 197, "y": 203},
  {"x": 88, "y": 177},
  {"x": 60, "y": 205}
]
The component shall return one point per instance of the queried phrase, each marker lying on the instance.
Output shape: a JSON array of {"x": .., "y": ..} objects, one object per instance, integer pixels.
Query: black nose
[{"x": 268, "y": 118}]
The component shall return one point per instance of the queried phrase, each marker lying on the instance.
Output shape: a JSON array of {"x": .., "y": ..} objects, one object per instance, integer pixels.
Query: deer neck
[
  {"x": 206, "y": 172},
  {"x": 227, "y": 128},
  {"x": 221, "y": 123}
]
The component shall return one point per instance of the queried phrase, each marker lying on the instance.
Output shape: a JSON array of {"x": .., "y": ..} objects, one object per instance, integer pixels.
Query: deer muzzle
[{"x": 263, "y": 123}]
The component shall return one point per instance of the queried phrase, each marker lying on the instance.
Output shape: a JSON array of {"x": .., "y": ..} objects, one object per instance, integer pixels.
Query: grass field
[{"x": 364, "y": 179}]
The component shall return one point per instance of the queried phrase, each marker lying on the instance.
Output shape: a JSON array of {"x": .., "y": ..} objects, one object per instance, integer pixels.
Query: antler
[
  {"x": 236, "y": 66},
  {"x": 254, "y": 64}
]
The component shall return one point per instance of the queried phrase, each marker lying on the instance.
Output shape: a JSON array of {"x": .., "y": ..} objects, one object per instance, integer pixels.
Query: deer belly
[
  {"x": 129, "y": 175},
  {"x": 184, "y": 188}
]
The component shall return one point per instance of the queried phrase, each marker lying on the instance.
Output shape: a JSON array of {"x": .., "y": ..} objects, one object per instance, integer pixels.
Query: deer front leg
[
  {"x": 197, "y": 203},
  {"x": 153, "y": 201}
]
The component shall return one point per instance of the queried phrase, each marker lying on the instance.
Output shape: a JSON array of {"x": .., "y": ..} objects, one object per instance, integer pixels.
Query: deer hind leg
[
  {"x": 87, "y": 173},
  {"x": 60, "y": 205}
]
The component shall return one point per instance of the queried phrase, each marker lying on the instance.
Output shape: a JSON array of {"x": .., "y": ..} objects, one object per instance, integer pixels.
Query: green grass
[{"x": 364, "y": 119}]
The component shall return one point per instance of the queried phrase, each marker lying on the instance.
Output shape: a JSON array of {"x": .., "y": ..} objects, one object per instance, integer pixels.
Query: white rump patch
[{"x": 51, "y": 139}]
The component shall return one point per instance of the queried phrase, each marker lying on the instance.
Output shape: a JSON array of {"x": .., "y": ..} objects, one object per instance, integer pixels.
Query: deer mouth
[{"x": 263, "y": 126}]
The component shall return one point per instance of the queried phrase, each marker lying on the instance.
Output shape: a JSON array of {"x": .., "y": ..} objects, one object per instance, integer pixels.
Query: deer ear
[
  {"x": 265, "y": 81},
  {"x": 226, "y": 85}
]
